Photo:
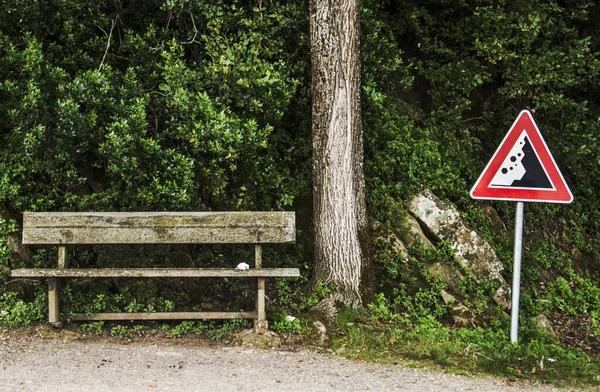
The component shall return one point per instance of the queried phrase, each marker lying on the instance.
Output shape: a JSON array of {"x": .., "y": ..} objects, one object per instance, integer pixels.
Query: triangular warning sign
[{"x": 522, "y": 168}]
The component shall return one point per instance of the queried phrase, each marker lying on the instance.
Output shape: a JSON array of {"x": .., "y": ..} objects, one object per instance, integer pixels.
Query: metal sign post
[{"x": 516, "y": 286}]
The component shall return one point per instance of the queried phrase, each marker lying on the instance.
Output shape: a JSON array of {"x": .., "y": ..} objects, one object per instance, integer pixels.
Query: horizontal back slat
[{"x": 158, "y": 227}]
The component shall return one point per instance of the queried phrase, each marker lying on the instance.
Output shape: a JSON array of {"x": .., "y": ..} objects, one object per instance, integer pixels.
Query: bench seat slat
[{"x": 155, "y": 273}]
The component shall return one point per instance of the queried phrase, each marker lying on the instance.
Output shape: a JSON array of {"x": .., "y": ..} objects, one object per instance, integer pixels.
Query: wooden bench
[{"x": 75, "y": 228}]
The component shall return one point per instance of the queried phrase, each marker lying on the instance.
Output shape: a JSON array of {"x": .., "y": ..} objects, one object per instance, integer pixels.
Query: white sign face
[{"x": 512, "y": 169}]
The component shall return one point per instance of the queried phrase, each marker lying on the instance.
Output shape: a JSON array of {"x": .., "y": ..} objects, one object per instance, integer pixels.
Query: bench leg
[
  {"x": 54, "y": 291},
  {"x": 53, "y": 308},
  {"x": 260, "y": 324}
]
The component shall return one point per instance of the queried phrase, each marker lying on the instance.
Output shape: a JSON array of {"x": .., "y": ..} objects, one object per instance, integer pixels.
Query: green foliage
[
  {"x": 120, "y": 330},
  {"x": 170, "y": 107},
  {"x": 283, "y": 324},
  {"x": 293, "y": 297},
  {"x": 229, "y": 327},
  {"x": 15, "y": 312},
  {"x": 182, "y": 329},
  {"x": 187, "y": 105},
  {"x": 96, "y": 326},
  {"x": 98, "y": 299},
  {"x": 499, "y": 55},
  {"x": 549, "y": 256},
  {"x": 472, "y": 350},
  {"x": 408, "y": 286},
  {"x": 319, "y": 293},
  {"x": 400, "y": 156},
  {"x": 6, "y": 227},
  {"x": 467, "y": 69},
  {"x": 575, "y": 296},
  {"x": 379, "y": 309}
]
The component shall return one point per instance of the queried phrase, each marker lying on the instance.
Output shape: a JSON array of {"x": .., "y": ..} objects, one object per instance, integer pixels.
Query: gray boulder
[{"x": 443, "y": 222}]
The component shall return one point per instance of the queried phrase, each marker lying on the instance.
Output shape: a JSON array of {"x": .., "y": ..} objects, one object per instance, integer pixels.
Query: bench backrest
[{"x": 158, "y": 227}]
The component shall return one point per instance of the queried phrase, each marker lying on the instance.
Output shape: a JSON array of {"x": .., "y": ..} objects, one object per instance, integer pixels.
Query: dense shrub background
[{"x": 150, "y": 105}]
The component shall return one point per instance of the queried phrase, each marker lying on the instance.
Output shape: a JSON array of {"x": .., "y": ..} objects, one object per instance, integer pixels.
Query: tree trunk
[{"x": 340, "y": 220}]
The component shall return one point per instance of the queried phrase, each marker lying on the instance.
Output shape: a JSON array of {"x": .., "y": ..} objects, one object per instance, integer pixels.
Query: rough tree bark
[{"x": 340, "y": 220}]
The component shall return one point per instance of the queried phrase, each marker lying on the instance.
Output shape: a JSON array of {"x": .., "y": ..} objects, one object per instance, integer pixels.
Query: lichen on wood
[{"x": 158, "y": 227}]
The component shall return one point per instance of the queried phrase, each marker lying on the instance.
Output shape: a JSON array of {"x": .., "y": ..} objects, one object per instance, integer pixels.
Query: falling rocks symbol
[{"x": 522, "y": 168}]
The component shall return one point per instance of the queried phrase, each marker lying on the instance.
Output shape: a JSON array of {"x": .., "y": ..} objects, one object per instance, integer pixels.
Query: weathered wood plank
[
  {"x": 261, "y": 320},
  {"x": 164, "y": 316},
  {"x": 155, "y": 273},
  {"x": 260, "y": 323},
  {"x": 53, "y": 304},
  {"x": 62, "y": 256},
  {"x": 54, "y": 289},
  {"x": 158, "y": 227}
]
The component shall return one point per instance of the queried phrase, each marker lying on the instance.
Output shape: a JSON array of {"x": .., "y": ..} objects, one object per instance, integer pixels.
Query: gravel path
[{"x": 35, "y": 364}]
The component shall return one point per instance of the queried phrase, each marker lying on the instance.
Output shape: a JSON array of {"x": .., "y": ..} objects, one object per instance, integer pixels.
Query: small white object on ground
[
  {"x": 290, "y": 318},
  {"x": 242, "y": 267}
]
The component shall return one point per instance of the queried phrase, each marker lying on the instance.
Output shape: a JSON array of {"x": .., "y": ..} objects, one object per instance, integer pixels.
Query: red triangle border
[{"x": 561, "y": 192}]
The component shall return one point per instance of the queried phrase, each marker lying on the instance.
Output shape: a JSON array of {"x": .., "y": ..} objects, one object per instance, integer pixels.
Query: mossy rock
[{"x": 250, "y": 339}]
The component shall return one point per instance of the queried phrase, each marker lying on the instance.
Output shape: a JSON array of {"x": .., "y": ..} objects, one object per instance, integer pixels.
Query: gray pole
[{"x": 516, "y": 286}]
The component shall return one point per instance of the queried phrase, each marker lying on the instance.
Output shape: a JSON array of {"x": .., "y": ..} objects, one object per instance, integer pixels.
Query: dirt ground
[{"x": 41, "y": 359}]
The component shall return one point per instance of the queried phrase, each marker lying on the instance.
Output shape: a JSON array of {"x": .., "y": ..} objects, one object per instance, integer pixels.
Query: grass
[{"x": 460, "y": 350}]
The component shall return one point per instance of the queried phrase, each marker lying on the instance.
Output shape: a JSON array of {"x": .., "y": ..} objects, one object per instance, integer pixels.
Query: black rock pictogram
[{"x": 522, "y": 168}]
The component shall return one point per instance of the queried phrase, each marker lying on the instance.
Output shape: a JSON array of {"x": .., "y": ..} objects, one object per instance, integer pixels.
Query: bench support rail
[{"x": 165, "y": 316}]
